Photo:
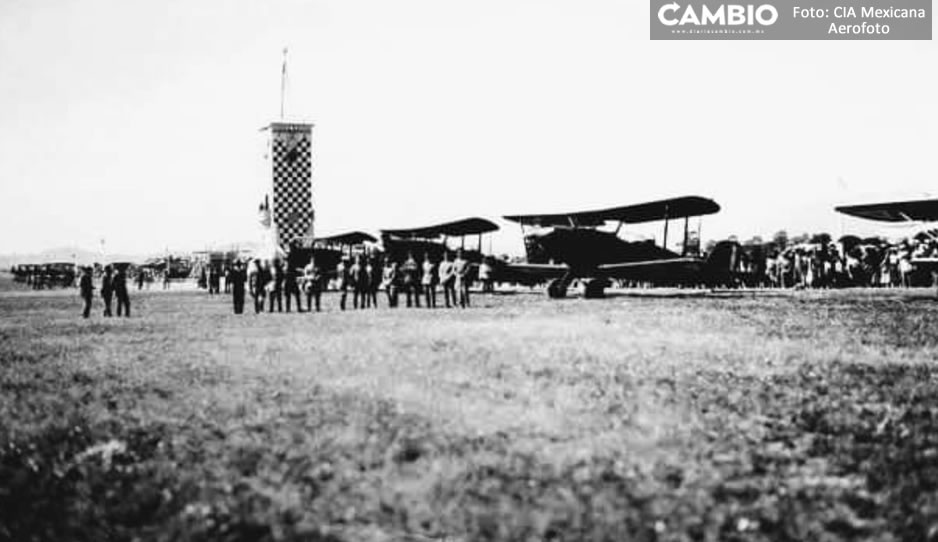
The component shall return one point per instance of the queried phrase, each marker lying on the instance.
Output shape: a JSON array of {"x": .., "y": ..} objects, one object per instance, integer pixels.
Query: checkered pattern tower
[{"x": 291, "y": 157}]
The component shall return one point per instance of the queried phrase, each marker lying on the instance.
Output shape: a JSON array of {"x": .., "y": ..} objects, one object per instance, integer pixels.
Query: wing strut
[{"x": 684, "y": 248}]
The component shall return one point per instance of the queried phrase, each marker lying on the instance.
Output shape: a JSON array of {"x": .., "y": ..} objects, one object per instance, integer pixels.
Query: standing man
[
  {"x": 291, "y": 286},
  {"x": 256, "y": 285},
  {"x": 461, "y": 269},
  {"x": 107, "y": 289},
  {"x": 214, "y": 280},
  {"x": 312, "y": 283},
  {"x": 428, "y": 281},
  {"x": 448, "y": 279},
  {"x": 486, "y": 275},
  {"x": 342, "y": 280},
  {"x": 236, "y": 280},
  {"x": 86, "y": 288},
  {"x": 374, "y": 279},
  {"x": 120, "y": 291},
  {"x": 411, "y": 280},
  {"x": 276, "y": 286},
  {"x": 359, "y": 277},
  {"x": 390, "y": 282}
]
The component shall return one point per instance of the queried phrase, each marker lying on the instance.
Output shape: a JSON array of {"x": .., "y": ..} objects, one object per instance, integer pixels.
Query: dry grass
[{"x": 644, "y": 417}]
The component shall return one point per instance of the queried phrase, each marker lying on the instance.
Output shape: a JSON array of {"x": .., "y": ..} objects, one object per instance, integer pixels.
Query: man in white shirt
[{"x": 447, "y": 279}]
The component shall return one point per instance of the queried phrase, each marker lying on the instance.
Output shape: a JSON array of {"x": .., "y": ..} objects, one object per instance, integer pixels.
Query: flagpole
[{"x": 283, "y": 81}]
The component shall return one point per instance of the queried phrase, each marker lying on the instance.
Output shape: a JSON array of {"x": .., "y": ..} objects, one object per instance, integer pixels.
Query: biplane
[
  {"x": 921, "y": 214},
  {"x": 434, "y": 241},
  {"x": 328, "y": 251},
  {"x": 571, "y": 246}
]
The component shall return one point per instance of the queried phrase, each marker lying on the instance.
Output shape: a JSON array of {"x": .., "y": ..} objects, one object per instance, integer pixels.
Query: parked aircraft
[
  {"x": 573, "y": 247},
  {"x": 434, "y": 241},
  {"x": 328, "y": 251}
]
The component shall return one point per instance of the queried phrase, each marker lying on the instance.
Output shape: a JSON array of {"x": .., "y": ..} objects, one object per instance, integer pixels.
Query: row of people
[{"x": 270, "y": 284}]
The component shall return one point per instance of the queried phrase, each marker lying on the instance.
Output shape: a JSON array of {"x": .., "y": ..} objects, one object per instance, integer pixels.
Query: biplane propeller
[{"x": 574, "y": 248}]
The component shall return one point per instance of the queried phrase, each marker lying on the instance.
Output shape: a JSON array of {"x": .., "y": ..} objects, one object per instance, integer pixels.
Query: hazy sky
[{"x": 138, "y": 121}]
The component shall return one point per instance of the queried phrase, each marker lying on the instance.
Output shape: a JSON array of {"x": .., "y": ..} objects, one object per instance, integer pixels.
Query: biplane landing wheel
[
  {"x": 557, "y": 289},
  {"x": 594, "y": 289}
]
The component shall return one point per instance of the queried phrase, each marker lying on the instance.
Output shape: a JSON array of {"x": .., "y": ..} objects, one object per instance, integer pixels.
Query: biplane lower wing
[
  {"x": 529, "y": 274},
  {"x": 667, "y": 271}
]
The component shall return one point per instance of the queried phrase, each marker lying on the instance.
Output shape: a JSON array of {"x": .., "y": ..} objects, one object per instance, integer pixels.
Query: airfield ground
[{"x": 660, "y": 416}]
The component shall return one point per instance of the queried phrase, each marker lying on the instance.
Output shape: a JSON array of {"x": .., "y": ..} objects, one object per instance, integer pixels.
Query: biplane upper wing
[
  {"x": 350, "y": 238},
  {"x": 898, "y": 211},
  {"x": 682, "y": 207},
  {"x": 457, "y": 228}
]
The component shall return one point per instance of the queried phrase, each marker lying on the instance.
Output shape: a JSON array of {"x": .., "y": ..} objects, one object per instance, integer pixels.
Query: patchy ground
[{"x": 778, "y": 416}]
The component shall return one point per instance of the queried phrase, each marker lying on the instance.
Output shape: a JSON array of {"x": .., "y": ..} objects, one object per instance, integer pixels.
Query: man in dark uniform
[
  {"x": 276, "y": 286},
  {"x": 257, "y": 283},
  {"x": 312, "y": 284},
  {"x": 107, "y": 289},
  {"x": 203, "y": 280},
  {"x": 358, "y": 277},
  {"x": 214, "y": 281},
  {"x": 86, "y": 287},
  {"x": 120, "y": 291},
  {"x": 291, "y": 287},
  {"x": 374, "y": 277},
  {"x": 236, "y": 279},
  {"x": 141, "y": 274}
]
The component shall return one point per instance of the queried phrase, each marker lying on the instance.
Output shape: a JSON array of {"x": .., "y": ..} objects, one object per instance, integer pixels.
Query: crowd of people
[
  {"x": 272, "y": 284},
  {"x": 850, "y": 262}
]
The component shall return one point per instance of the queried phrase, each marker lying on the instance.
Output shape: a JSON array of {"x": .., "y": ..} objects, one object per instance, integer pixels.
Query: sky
[{"x": 137, "y": 122}]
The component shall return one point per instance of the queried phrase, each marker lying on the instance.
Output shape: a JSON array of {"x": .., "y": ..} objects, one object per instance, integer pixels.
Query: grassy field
[{"x": 659, "y": 416}]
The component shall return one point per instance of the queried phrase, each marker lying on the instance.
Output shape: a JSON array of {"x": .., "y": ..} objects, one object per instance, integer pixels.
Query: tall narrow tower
[{"x": 292, "y": 206}]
